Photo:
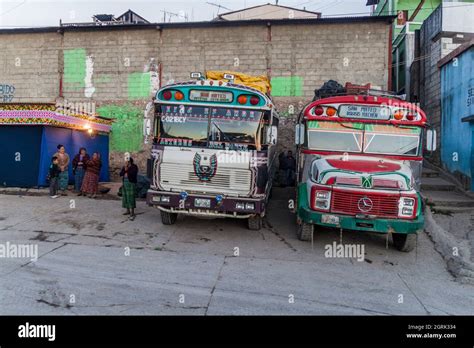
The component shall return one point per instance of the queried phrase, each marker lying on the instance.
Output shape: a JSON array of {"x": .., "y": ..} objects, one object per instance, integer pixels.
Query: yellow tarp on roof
[{"x": 261, "y": 83}]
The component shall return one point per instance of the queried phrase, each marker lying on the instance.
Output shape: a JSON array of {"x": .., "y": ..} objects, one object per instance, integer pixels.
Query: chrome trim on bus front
[{"x": 202, "y": 212}]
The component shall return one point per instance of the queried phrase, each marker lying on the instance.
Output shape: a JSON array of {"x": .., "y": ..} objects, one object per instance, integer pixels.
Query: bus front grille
[
  {"x": 181, "y": 177},
  {"x": 348, "y": 202}
]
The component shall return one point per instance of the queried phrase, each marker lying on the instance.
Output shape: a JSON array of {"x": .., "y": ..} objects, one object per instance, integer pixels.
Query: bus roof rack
[{"x": 332, "y": 88}]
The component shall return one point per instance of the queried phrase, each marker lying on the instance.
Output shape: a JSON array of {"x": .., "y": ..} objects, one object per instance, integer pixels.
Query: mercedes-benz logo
[{"x": 365, "y": 204}]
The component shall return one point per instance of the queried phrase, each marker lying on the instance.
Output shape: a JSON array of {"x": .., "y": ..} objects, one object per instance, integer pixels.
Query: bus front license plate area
[
  {"x": 202, "y": 203},
  {"x": 330, "y": 219}
]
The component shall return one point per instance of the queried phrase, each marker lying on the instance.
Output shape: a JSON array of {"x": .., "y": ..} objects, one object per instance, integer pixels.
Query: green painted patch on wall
[
  {"x": 291, "y": 86},
  {"x": 74, "y": 68},
  {"x": 139, "y": 86},
  {"x": 127, "y": 130}
]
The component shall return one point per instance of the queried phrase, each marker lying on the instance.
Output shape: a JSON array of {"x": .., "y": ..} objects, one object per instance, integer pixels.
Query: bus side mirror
[
  {"x": 272, "y": 135},
  {"x": 146, "y": 127},
  {"x": 146, "y": 130},
  {"x": 431, "y": 140},
  {"x": 299, "y": 134}
]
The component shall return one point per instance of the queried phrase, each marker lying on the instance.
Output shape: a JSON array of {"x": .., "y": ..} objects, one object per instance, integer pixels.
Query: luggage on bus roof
[
  {"x": 329, "y": 89},
  {"x": 261, "y": 83}
]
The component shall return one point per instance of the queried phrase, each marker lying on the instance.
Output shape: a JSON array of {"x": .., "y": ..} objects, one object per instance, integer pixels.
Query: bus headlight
[
  {"x": 406, "y": 207},
  {"x": 164, "y": 199},
  {"x": 249, "y": 206},
  {"x": 321, "y": 199}
]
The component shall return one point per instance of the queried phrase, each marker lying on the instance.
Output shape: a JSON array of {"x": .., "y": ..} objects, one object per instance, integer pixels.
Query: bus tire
[
  {"x": 305, "y": 231},
  {"x": 168, "y": 218},
  {"x": 404, "y": 242},
  {"x": 254, "y": 223}
]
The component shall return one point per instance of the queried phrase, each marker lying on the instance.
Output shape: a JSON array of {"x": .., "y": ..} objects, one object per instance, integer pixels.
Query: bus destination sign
[{"x": 365, "y": 112}]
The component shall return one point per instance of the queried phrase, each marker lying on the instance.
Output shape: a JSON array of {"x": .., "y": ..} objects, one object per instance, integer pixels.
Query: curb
[
  {"x": 45, "y": 193},
  {"x": 459, "y": 265}
]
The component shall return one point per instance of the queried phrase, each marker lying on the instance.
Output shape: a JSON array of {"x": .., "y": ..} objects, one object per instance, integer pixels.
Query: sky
[{"x": 40, "y": 13}]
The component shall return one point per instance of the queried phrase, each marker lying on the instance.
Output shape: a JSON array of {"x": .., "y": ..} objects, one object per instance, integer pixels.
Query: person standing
[
  {"x": 53, "y": 176},
  {"x": 281, "y": 169},
  {"x": 79, "y": 169},
  {"x": 289, "y": 165},
  {"x": 129, "y": 174},
  {"x": 90, "y": 184},
  {"x": 63, "y": 162}
]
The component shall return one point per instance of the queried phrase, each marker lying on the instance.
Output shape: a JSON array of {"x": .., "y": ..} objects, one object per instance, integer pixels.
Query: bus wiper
[
  {"x": 222, "y": 132},
  {"x": 349, "y": 127}
]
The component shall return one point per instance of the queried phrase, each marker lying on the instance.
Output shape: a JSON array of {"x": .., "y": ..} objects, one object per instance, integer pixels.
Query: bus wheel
[
  {"x": 168, "y": 218},
  {"x": 304, "y": 231},
  {"x": 254, "y": 223},
  {"x": 404, "y": 242}
]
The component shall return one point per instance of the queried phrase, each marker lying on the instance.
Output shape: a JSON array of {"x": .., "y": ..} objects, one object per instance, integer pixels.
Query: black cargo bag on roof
[{"x": 329, "y": 89}]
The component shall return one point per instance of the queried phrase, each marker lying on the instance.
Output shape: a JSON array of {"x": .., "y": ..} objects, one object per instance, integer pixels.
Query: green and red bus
[{"x": 359, "y": 166}]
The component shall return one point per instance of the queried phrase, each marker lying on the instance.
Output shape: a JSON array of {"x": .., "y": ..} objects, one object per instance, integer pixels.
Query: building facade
[
  {"x": 449, "y": 26},
  {"x": 410, "y": 16},
  {"x": 457, "y": 113}
]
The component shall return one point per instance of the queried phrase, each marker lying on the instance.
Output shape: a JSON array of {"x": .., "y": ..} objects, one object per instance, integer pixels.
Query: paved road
[{"x": 190, "y": 268}]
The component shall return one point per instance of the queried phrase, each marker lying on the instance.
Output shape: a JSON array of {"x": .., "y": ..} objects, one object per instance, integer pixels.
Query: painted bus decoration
[
  {"x": 213, "y": 151},
  {"x": 359, "y": 166}
]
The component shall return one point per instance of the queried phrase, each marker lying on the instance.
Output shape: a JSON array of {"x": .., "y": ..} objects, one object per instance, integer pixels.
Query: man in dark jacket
[
  {"x": 53, "y": 176},
  {"x": 129, "y": 173},
  {"x": 289, "y": 166}
]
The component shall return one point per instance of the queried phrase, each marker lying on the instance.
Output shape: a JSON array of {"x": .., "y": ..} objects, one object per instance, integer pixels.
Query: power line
[
  {"x": 219, "y": 7},
  {"x": 393, "y": 13},
  {"x": 326, "y": 6},
  {"x": 268, "y": 12},
  {"x": 13, "y": 8}
]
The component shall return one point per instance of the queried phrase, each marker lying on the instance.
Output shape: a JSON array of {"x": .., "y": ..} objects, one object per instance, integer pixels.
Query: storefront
[{"x": 30, "y": 133}]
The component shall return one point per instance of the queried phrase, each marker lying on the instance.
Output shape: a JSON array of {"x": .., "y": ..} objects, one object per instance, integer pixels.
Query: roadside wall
[{"x": 117, "y": 70}]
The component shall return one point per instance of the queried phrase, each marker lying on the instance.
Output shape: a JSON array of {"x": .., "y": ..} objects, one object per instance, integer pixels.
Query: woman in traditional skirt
[
  {"x": 63, "y": 160},
  {"x": 79, "y": 169},
  {"x": 90, "y": 184},
  {"x": 129, "y": 174}
]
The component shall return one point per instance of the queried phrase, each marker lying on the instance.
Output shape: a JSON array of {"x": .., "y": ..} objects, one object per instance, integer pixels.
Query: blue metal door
[{"x": 19, "y": 155}]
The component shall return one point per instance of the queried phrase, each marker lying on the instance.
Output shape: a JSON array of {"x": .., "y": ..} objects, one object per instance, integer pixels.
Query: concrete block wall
[
  {"x": 118, "y": 70},
  {"x": 29, "y": 63}
]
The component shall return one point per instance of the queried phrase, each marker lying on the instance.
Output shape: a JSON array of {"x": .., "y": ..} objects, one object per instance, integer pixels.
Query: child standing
[{"x": 54, "y": 171}]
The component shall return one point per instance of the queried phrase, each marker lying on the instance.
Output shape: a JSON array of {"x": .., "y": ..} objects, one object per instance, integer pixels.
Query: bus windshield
[
  {"x": 364, "y": 138},
  {"x": 215, "y": 127}
]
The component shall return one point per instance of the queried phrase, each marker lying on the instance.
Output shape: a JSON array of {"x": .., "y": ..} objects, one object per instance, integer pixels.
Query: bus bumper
[
  {"x": 206, "y": 205},
  {"x": 378, "y": 225}
]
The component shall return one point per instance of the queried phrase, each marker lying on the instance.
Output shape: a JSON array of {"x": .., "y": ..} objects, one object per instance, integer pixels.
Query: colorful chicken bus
[
  {"x": 214, "y": 150},
  {"x": 359, "y": 166}
]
